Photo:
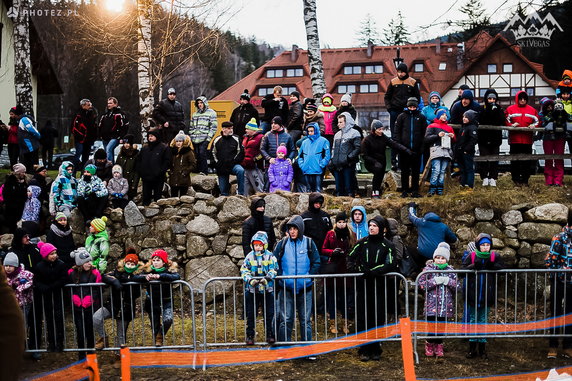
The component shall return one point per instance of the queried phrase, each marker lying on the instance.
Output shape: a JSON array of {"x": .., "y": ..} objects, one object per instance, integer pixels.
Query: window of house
[
  {"x": 263, "y": 91},
  {"x": 286, "y": 90},
  {"x": 418, "y": 67},
  {"x": 491, "y": 68},
  {"x": 342, "y": 89},
  {"x": 530, "y": 91},
  {"x": 482, "y": 93},
  {"x": 274, "y": 73},
  {"x": 368, "y": 88},
  {"x": 348, "y": 70},
  {"x": 443, "y": 66},
  {"x": 507, "y": 68},
  {"x": 514, "y": 90},
  {"x": 374, "y": 69},
  {"x": 294, "y": 73}
]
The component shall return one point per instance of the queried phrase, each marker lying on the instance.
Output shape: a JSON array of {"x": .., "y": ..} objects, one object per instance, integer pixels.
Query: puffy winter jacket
[
  {"x": 153, "y": 161},
  {"x": 410, "y": 128},
  {"x": 433, "y": 140},
  {"x": 97, "y": 245},
  {"x": 113, "y": 124},
  {"x": 272, "y": 140},
  {"x": 241, "y": 116},
  {"x": 347, "y": 142},
  {"x": 85, "y": 128},
  {"x": 398, "y": 91},
  {"x": 317, "y": 222},
  {"x": 280, "y": 175},
  {"x": 430, "y": 110},
  {"x": 431, "y": 231},
  {"x": 439, "y": 298},
  {"x": 458, "y": 109},
  {"x": 64, "y": 187},
  {"x": 314, "y": 154},
  {"x": 255, "y": 223},
  {"x": 95, "y": 187},
  {"x": 203, "y": 123},
  {"x": 183, "y": 162},
  {"x": 259, "y": 264},
  {"x": 468, "y": 135},
  {"x": 373, "y": 151},
  {"x": 252, "y": 155},
  {"x": 86, "y": 297},
  {"x": 274, "y": 108},
  {"x": 172, "y": 112},
  {"x": 526, "y": 117}
]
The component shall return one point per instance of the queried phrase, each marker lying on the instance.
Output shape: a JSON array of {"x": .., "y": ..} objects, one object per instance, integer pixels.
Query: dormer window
[
  {"x": 374, "y": 69},
  {"x": 418, "y": 67},
  {"x": 443, "y": 66},
  {"x": 295, "y": 72},
  {"x": 348, "y": 70},
  {"x": 274, "y": 73}
]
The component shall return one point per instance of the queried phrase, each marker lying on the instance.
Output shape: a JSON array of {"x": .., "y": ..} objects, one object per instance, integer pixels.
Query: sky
[{"x": 280, "y": 22}]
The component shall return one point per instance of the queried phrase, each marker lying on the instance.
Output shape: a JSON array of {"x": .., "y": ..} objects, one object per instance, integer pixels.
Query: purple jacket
[
  {"x": 439, "y": 298},
  {"x": 280, "y": 175}
]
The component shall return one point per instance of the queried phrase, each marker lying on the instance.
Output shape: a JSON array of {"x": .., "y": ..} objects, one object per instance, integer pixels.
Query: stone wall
[{"x": 203, "y": 233}]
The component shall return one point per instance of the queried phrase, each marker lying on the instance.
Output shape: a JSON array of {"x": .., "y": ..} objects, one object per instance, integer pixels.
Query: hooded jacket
[
  {"x": 526, "y": 117},
  {"x": 274, "y": 108},
  {"x": 314, "y": 154},
  {"x": 259, "y": 264},
  {"x": 373, "y": 255},
  {"x": 439, "y": 298},
  {"x": 241, "y": 116},
  {"x": 62, "y": 239},
  {"x": 28, "y": 135},
  {"x": 227, "y": 152},
  {"x": 118, "y": 186},
  {"x": 560, "y": 254},
  {"x": 318, "y": 117},
  {"x": 458, "y": 109},
  {"x": 360, "y": 230},
  {"x": 329, "y": 113},
  {"x": 33, "y": 205},
  {"x": 317, "y": 222},
  {"x": 468, "y": 135},
  {"x": 183, "y": 162},
  {"x": 346, "y": 148},
  {"x": 491, "y": 115},
  {"x": 64, "y": 187},
  {"x": 373, "y": 150},
  {"x": 410, "y": 128},
  {"x": 97, "y": 245},
  {"x": 431, "y": 231},
  {"x": 172, "y": 112},
  {"x": 203, "y": 123},
  {"x": 21, "y": 281},
  {"x": 298, "y": 256},
  {"x": 252, "y": 155},
  {"x": 95, "y": 187},
  {"x": 429, "y": 111},
  {"x": 398, "y": 91},
  {"x": 113, "y": 124},
  {"x": 28, "y": 255},
  {"x": 341, "y": 109},
  {"x": 127, "y": 160},
  {"x": 255, "y": 223}
]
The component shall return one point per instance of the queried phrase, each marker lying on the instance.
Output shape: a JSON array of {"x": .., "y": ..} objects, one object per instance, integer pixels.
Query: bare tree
[
  {"x": 144, "y": 74},
  {"x": 314, "y": 52},
  {"x": 22, "y": 61}
]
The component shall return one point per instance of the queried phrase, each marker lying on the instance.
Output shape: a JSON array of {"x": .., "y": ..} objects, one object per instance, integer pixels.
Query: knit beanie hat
[
  {"x": 11, "y": 259},
  {"x": 347, "y": 98},
  {"x": 277, "y": 120},
  {"x": 100, "y": 154},
  {"x": 91, "y": 169},
  {"x": 131, "y": 258},
  {"x": 440, "y": 112},
  {"x": 282, "y": 149},
  {"x": 375, "y": 124},
  {"x": 444, "y": 250},
  {"x": 117, "y": 169},
  {"x": 467, "y": 94},
  {"x": 341, "y": 216},
  {"x": 128, "y": 139},
  {"x": 485, "y": 240},
  {"x": 312, "y": 107},
  {"x": 162, "y": 254},
  {"x": 155, "y": 132},
  {"x": 412, "y": 101},
  {"x": 81, "y": 256},
  {"x": 99, "y": 224},
  {"x": 380, "y": 222},
  {"x": 19, "y": 168},
  {"x": 61, "y": 216},
  {"x": 245, "y": 95},
  {"x": 46, "y": 248},
  {"x": 296, "y": 94},
  {"x": 252, "y": 125},
  {"x": 403, "y": 67},
  {"x": 180, "y": 137}
]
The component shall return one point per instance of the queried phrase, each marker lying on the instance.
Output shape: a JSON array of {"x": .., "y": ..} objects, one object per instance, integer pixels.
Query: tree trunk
[
  {"x": 314, "y": 52},
  {"x": 22, "y": 63},
  {"x": 144, "y": 75}
]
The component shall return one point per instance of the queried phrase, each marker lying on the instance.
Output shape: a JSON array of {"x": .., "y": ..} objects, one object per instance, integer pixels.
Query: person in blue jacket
[
  {"x": 358, "y": 222},
  {"x": 313, "y": 157},
  {"x": 296, "y": 255},
  {"x": 431, "y": 231},
  {"x": 28, "y": 138},
  {"x": 435, "y": 103}
]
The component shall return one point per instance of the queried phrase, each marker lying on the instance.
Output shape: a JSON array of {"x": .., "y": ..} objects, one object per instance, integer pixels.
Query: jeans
[
  {"x": 314, "y": 183},
  {"x": 155, "y": 307},
  {"x": 253, "y": 301},
  {"x": 224, "y": 183},
  {"x": 344, "y": 181},
  {"x": 201, "y": 153},
  {"x": 288, "y": 304},
  {"x": 438, "y": 168},
  {"x": 467, "y": 164},
  {"x": 265, "y": 126},
  {"x": 110, "y": 146},
  {"x": 477, "y": 315}
]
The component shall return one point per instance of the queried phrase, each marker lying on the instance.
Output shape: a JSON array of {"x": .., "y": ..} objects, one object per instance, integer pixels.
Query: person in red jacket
[
  {"x": 253, "y": 162},
  {"x": 524, "y": 116}
]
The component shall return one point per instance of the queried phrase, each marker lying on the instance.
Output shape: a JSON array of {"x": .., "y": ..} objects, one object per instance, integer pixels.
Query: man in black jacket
[
  {"x": 410, "y": 131},
  {"x": 257, "y": 222},
  {"x": 492, "y": 114},
  {"x": 227, "y": 155},
  {"x": 242, "y": 114},
  {"x": 85, "y": 132},
  {"x": 296, "y": 117},
  {"x": 113, "y": 126},
  {"x": 169, "y": 116},
  {"x": 152, "y": 164},
  {"x": 274, "y": 105},
  {"x": 317, "y": 222},
  {"x": 465, "y": 149}
]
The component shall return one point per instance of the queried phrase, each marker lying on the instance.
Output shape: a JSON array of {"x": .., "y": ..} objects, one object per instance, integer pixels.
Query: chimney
[
  {"x": 437, "y": 46},
  {"x": 294, "y": 53},
  {"x": 370, "y": 46},
  {"x": 460, "y": 56}
]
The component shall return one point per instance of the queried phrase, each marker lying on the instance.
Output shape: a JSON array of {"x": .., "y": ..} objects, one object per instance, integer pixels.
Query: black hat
[
  {"x": 380, "y": 222},
  {"x": 155, "y": 132},
  {"x": 402, "y": 67},
  {"x": 100, "y": 154},
  {"x": 128, "y": 139},
  {"x": 296, "y": 94},
  {"x": 412, "y": 101},
  {"x": 227, "y": 124},
  {"x": 277, "y": 120},
  {"x": 245, "y": 95},
  {"x": 341, "y": 216}
]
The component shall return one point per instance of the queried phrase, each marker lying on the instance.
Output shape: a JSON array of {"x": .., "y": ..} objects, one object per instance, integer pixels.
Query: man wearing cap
[
  {"x": 152, "y": 165},
  {"x": 410, "y": 128},
  {"x": 15, "y": 194},
  {"x": 203, "y": 127},
  {"x": 85, "y": 132},
  {"x": 28, "y": 138},
  {"x": 399, "y": 90},
  {"x": 295, "y": 117},
  {"x": 273, "y": 139},
  {"x": 253, "y": 162},
  {"x": 169, "y": 116},
  {"x": 466, "y": 103},
  {"x": 243, "y": 114},
  {"x": 227, "y": 155},
  {"x": 113, "y": 125},
  {"x": 274, "y": 105}
]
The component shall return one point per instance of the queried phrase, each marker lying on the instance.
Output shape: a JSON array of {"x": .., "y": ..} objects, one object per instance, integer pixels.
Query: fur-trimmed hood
[{"x": 121, "y": 268}]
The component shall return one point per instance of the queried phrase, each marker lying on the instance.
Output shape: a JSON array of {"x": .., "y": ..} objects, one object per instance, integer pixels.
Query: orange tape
[{"x": 71, "y": 373}]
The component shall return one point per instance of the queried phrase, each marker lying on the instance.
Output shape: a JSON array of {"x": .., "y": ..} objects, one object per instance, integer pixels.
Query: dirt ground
[{"x": 506, "y": 356}]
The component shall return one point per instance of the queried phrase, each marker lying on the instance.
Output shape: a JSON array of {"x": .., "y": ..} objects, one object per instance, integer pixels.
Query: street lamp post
[{"x": 398, "y": 60}]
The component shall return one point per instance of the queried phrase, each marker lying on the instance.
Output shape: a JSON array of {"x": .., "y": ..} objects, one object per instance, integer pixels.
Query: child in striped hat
[{"x": 97, "y": 243}]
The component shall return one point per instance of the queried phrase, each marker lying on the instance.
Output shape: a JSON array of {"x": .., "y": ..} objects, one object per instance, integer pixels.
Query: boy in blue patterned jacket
[{"x": 258, "y": 271}]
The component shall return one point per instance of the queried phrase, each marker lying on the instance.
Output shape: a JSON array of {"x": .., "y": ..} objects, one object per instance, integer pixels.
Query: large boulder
[
  {"x": 199, "y": 270},
  {"x": 482, "y": 214},
  {"x": 489, "y": 228},
  {"x": 203, "y": 183},
  {"x": 512, "y": 217},
  {"x": 203, "y": 225},
  {"x": 133, "y": 216},
  {"x": 277, "y": 206},
  {"x": 550, "y": 213},
  {"x": 234, "y": 208},
  {"x": 196, "y": 246},
  {"x": 537, "y": 232},
  {"x": 539, "y": 252},
  {"x": 201, "y": 207}
]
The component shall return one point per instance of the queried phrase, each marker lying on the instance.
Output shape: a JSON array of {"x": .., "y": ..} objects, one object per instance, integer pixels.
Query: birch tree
[
  {"x": 22, "y": 62},
  {"x": 314, "y": 52},
  {"x": 144, "y": 75}
]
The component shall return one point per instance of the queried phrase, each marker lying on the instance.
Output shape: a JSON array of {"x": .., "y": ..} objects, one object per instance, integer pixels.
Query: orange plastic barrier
[{"x": 87, "y": 368}]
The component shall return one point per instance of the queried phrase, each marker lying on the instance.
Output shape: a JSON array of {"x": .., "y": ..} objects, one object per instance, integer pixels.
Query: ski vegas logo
[{"x": 534, "y": 31}]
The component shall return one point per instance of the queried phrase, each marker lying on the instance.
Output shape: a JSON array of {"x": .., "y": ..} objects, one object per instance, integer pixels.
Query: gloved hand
[
  {"x": 268, "y": 278},
  {"x": 444, "y": 280},
  {"x": 253, "y": 282},
  {"x": 337, "y": 252},
  {"x": 263, "y": 281}
]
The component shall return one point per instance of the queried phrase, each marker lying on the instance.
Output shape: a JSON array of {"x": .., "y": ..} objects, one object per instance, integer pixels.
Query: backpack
[
  {"x": 474, "y": 255},
  {"x": 283, "y": 244}
]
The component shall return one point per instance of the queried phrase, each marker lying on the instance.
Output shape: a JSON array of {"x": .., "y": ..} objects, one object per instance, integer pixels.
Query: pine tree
[
  {"x": 368, "y": 33},
  {"x": 476, "y": 20},
  {"x": 396, "y": 32}
]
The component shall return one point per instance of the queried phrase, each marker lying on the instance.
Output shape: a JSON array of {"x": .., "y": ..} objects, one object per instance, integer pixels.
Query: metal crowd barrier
[
  {"x": 55, "y": 324},
  {"x": 225, "y": 313}
]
